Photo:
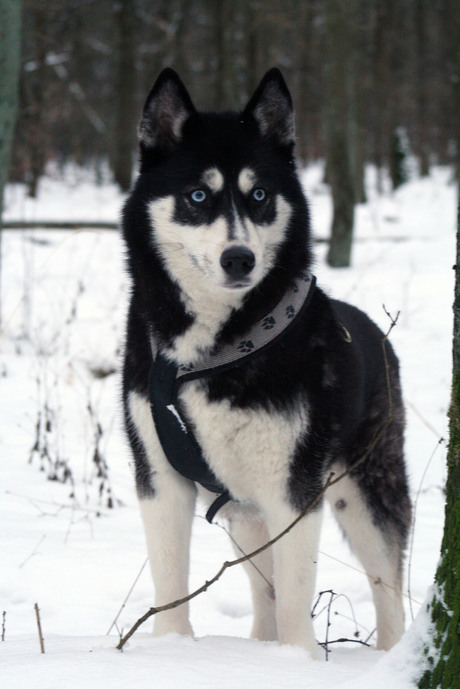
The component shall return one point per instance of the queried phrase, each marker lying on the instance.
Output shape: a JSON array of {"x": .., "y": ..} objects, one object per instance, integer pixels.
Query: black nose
[{"x": 237, "y": 261}]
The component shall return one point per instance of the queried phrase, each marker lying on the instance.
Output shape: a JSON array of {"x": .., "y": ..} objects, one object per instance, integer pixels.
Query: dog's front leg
[
  {"x": 295, "y": 557},
  {"x": 167, "y": 518}
]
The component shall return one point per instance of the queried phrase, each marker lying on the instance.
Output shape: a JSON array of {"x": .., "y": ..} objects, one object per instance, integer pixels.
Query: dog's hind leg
[
  {"x": 376, "y": 543},
  {"x": 248, "y": 534}
]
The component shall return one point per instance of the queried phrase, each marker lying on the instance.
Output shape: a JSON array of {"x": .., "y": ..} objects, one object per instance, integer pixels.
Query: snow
[{"x": 63, "y": 305}]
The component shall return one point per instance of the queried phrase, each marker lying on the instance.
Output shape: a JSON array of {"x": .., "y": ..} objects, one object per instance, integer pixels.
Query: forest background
[{"x": 385, "y": 72}]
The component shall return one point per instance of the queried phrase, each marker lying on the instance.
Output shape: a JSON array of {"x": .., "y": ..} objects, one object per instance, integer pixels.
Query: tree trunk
[
  {"x": 232, "y": 50},
  {"x": 123, "y": 143},
  {"x": 421, "y": 85},
  {"x": 10, "y": 53},
  {"x": 338, "y": 83},
  {"x": 443, "y": 657},
  {"x": 385, "y": 86},
  {"x": 37, "y": 98}
]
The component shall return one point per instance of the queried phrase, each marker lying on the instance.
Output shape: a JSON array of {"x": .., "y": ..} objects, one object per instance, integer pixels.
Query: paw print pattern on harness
[
  {"x": 246, "y": 346},
  {"x": 268, "y": 323}
]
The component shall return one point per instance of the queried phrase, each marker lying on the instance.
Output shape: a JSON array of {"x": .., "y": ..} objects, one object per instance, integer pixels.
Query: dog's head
[{"x": 224, "y": 199}]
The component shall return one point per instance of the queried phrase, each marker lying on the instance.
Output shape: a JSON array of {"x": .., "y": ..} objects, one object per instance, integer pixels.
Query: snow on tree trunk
[{"x": 443, "y": 657}]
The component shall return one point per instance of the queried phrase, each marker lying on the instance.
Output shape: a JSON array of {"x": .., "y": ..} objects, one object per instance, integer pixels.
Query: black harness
[{"x": 173, "y": 428}]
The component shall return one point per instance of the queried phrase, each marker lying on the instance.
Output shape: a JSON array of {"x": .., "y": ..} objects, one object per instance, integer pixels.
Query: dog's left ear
[
  {"x": 271, "y": 107},
  {"x": 166, "y": 109}
]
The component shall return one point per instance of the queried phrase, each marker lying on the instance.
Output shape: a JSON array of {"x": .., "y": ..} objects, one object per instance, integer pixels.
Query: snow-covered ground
[{"x": 63, "y": 300}]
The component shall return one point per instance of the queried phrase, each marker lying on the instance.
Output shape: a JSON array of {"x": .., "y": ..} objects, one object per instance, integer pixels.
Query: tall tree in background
[
  {"x": 233, "y": 27},
  {"x": 443, "y": 657},
  {"x": 421, "y": 35},
  {"x": 125, "y": 115},
  {"x": 452, "y": 40},
  {"x": 10, "y": 44},
  {"x": 337, "y": 113}
]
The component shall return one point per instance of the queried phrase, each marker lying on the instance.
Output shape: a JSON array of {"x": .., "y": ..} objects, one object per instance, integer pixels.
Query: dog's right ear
[{"x": 166, "y": 109}]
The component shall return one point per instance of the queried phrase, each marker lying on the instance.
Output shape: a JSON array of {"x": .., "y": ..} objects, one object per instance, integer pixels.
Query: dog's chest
[{"x": 248, "y": 449}]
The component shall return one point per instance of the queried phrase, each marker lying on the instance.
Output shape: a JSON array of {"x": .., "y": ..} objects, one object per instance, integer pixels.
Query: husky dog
[{"x": 242, "y": 378}]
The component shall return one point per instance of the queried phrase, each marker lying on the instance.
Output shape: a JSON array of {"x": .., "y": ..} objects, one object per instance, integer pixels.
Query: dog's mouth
[{"x": 237, "y": 284}]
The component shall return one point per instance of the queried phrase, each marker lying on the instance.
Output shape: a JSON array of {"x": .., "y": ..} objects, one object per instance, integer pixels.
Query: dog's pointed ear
[
  {"x": 166, "y": 109},
  {"x": 271, "y": 107}
]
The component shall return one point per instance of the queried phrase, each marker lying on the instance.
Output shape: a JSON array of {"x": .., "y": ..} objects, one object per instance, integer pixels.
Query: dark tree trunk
[
  {"x": 10, "y": 53},
  {"x": 338, "y": 84},
  {"x": 303, "y": 134},
  {"x": 443, "y": 657},
  {"x": 37, "y": 102},
  {"x": 232, "y": 49},
  {"x": 421, "y": 36},
  {"x": 385, "y": 86},
  {"x": 123, "y": 143}
]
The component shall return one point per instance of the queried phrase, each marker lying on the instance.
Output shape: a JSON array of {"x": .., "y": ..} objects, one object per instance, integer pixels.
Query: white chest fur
[{"x": 249, "y": 450}]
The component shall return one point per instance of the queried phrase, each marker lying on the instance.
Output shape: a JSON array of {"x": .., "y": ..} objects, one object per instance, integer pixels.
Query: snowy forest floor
[{"x": 72, "y": 539}]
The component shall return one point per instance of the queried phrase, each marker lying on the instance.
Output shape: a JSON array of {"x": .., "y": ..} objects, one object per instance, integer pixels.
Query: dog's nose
[{"x": 237, "y": 261}]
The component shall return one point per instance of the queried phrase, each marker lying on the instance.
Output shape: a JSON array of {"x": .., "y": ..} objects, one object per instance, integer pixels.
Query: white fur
[
  {"x": 192, "y": 257},
  {"x": 246, "y": 180},
  {"x": 214, "y": 179},
  {"x": 167, "y": 519},
  {"x": 240, "y": 231},
  {"x": 249, "y": 450},
  {"x": 377, "y": 556}
]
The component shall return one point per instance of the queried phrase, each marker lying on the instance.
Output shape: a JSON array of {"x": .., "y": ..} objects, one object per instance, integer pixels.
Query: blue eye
[
  {"x": 198, "y": 196},
  {"x": 258, "y": 195}
]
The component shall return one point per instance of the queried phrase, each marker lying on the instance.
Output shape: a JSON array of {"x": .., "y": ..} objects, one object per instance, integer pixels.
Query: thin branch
[
  {"x": 222, "y": 526},
  {"x": 123, "y": 605},
  {"x": 34, "y": 552},
  {"x": 329, "y": 482},
  {"x": 39, "y": 626}
]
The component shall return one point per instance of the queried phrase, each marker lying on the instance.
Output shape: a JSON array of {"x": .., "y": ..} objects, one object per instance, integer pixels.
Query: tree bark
[
  {"x": 10, "y": 53},
  {"x": 338, "y": 86},
  {"x": 421, "y": 85},
  {"x": 123, "y": 143},
  {"x": 443, "y": 657},
  {"x": 232, "y": 50}
]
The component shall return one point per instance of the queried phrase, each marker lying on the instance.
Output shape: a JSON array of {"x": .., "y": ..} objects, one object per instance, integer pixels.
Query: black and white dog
[{"x": 242, "y": 379}]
